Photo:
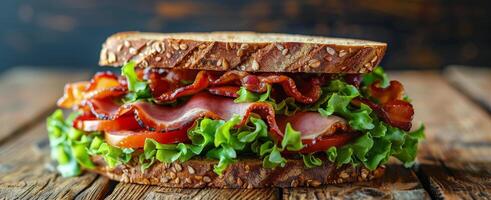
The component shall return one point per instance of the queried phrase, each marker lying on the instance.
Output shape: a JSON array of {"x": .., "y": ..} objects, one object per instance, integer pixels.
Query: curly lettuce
[
  {"x": 71, "y": 148},
  {"x": 286, "y": 106},
  {"x": 378, "y": 140},
  {"x": 137, "y": 89},
  {"x": 223, "y": 141}
]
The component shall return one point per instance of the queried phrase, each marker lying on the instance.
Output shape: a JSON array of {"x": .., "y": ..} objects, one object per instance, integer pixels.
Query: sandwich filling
[{"x": 165, "y": 115}]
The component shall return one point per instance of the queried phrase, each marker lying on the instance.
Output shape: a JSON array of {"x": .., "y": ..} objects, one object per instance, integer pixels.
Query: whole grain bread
[
  {"x": 245, "y": 51},
  {"x": 245, "y": 173}
]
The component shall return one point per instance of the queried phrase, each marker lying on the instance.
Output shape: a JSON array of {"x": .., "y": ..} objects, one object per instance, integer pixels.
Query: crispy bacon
[
  {"x": 102, "y": 85},
  {"x": 168, "y": 85},
  {"x": 256, "y": 83},
  {"x": 163, "y": 80},
  {"x": 312, "y": 89},
  {"x": 397, "y": 113},
  {"x": 102, "y": 80},
  {"x": 395, "y": 91},
  {"x": 73, "y": 94},
  {"x": 389, "y": 105},
  {"x": 201, "y": 82}
]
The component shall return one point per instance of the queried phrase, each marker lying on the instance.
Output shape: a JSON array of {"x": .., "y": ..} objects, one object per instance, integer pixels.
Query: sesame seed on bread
[
  {"x": 244, "y": 51},
  {"x": 245, "y": 173}
]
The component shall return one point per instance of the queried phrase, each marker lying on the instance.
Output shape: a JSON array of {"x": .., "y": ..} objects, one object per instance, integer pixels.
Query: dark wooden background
[{"x": 422, "y": 34}]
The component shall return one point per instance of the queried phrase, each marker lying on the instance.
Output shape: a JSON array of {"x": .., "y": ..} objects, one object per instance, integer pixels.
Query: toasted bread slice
[
  {"x": 245, "y": 173},
  {"x": 245, "y": 51}
]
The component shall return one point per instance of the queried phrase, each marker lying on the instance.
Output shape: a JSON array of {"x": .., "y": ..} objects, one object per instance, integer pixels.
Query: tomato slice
[
  {"x": 132, "y": 139},
  {"x": 322, "y": 144},
  {"x": 91, "y": 123}
]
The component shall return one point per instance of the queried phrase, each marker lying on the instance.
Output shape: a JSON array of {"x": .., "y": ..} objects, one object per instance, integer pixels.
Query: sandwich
[{"x": 234, "y": 110}]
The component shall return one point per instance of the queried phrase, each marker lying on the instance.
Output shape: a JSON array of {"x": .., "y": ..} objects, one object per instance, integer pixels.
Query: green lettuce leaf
[
  {"x": 217, "y": 139},
  {"x": 274, "y": 158},
  {"x": 248, "y": 96},
  {"x": 332, "y": 154},
  {"x": 377, "y": 74},
  {"x": 311, "y": 161},
  {"x": 224, "y": 141},
  {"x": 285, "y": 107},
  {"x": 137, "y": 89},
  {"x": 71, "y": 148},
  {"x": 373, "y": 149},
  {"x": 339, "y": 104},
  {"x": 291, "y": 140}
]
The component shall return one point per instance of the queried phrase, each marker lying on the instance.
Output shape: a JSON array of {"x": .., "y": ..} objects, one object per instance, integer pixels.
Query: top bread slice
[{"x": 244, "y": 51}]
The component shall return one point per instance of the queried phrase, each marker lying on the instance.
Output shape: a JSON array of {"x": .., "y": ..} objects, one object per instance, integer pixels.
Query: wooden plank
[
  {"x": 474, "y": 82},
  {"x": 97, "y": 190},
  {"x": 455, "y": 158},
  {"x": 29, "y": 93},
  {"x": 397, "y": 183},
  {"x": 26, "y": 171},
  {"x": 133, "y": 191}
]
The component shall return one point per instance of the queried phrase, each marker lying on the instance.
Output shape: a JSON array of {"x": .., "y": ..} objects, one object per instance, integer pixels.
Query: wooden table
[{"x": 454, "y": 161}]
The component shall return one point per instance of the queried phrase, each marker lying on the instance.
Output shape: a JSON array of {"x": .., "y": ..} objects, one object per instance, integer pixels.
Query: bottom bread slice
[{"x": 245, "y": 173}]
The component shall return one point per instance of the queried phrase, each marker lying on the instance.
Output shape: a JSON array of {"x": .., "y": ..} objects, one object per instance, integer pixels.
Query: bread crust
[
  {"x": 260, "y": 52},
  {"x": 245, "y": 173}
]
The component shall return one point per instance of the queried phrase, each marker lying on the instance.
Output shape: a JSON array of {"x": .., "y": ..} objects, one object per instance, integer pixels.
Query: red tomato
[
  {"x": 91, "y": 123},
  {"x": 322, "y": 144},
  {"x": 132, "y": 139}
]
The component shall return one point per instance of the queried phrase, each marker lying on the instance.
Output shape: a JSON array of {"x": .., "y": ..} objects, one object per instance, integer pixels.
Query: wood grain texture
[
  {"x": 455, "y": 158},
  {"x": 474, "y": 82},
  {"x": 28, "y": 94},
  {"x": 25, "y": 168},
  {"x": 26, "y": 171},
  {"x": 133, "y": 191},
  {"x": 397, "y": 183},
  {"x": 97, "y": 190}
]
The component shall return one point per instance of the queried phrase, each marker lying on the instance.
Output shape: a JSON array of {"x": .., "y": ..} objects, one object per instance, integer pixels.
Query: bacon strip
[
  {"x": 256, "y": 83},
  {"x": 390, "y": 107},
  {"x": 164, "y": 118},
  {"x": 167, "y": 86},
  {"x": 201, "y": 82},
  {"x": 102, "y": 85},
  {"x": 395, "y": 91},
  {"x": 397, "y": 113}
]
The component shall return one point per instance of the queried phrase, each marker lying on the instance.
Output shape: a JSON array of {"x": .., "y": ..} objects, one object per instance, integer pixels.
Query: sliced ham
[
  {"x": 166, "y": 118},
  {"x": 312, "y": 124}
]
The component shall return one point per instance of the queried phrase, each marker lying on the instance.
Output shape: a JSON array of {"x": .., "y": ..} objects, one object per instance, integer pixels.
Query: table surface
[{"x": 454, "y": 161}]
